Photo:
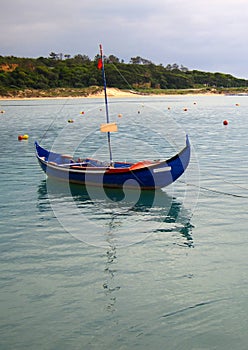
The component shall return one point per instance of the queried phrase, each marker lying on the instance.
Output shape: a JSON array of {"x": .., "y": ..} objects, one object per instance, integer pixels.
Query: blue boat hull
[{"x": 144, "y": 175}]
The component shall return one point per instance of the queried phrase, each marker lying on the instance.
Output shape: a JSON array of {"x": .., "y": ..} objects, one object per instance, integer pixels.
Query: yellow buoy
[{"x": 23, "y": 137}]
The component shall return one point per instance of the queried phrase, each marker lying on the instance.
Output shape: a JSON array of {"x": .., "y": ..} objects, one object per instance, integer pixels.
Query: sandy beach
[{"x": 111, "y": 93}]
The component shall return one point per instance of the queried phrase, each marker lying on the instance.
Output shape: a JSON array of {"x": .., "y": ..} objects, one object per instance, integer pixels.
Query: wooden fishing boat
[{"x": 144, "y": 174}]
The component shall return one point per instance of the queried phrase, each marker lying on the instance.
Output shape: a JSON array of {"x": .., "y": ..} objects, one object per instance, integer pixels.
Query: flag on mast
[{"x": 99, "y": 63}]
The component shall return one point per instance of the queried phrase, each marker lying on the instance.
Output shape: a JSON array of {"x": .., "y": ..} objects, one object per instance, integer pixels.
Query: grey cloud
[{"x": 204, "y": 35}]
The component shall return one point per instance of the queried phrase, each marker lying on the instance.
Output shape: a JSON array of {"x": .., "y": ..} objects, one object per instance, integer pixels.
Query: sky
[{"x": 207, "y": 35}]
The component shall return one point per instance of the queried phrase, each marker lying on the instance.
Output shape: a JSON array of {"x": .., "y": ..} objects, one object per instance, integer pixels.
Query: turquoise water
[{"x": 142, "y": 271}]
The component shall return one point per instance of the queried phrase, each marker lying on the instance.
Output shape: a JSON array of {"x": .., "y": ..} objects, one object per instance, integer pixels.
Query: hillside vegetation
[{"x": 62, "y": 75}]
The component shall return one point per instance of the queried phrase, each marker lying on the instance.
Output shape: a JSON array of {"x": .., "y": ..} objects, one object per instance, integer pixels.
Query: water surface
[{"x": 125, "y": 272}]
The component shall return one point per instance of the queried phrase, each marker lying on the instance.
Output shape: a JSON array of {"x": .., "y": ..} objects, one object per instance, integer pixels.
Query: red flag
[{"x": 99, "y": 64}]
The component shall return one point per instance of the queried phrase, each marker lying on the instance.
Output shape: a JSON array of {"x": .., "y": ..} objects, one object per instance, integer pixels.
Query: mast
[{"x": 106, "y": 102}]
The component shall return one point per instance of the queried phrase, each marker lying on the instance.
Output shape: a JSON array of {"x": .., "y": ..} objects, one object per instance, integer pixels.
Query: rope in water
[
  {"x": 215, "y": 191},
  {"x": 53, "y": 121}
]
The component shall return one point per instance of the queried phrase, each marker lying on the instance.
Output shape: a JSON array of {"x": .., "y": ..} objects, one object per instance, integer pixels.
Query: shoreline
[{"x": 117, "y": 93}]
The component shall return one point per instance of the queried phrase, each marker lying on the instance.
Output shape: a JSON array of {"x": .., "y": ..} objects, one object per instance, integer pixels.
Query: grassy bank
[
  {"x": 96, "y": 90},
  {"x": 205, "y": 90},
  {"x": 57, "y": 92}
]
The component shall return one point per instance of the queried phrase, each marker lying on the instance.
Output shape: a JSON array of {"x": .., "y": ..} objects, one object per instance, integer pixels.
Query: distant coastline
[{"x": 97, "y": 92}]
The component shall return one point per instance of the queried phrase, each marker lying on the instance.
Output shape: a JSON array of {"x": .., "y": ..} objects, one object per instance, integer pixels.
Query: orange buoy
[
  {"x": 23, "y": 137},
  {"x": 119, "y": 115},
  {"x": 237, "y": 104},
  {"x": 225, "y": 122}
]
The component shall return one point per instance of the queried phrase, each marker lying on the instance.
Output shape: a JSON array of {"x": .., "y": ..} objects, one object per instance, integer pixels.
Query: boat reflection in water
[{"x": 97, "y": 215}]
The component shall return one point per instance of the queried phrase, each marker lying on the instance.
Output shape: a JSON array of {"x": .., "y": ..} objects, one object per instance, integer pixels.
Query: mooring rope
[
  {"x": 214, "y": 190},
  {"x": 116, "y": 68},
  {"x": 53, "y": 121}
]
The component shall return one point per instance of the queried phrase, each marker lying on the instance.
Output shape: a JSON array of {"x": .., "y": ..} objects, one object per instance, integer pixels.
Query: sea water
[{"x": 84, "y": 268}]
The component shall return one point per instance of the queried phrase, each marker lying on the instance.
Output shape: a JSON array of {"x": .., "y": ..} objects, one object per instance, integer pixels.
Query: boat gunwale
[{"x": 108, "y": 170}]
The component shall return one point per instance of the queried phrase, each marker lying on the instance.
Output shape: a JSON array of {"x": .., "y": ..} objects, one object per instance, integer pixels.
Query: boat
[{"x": 144, "y": 174}]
